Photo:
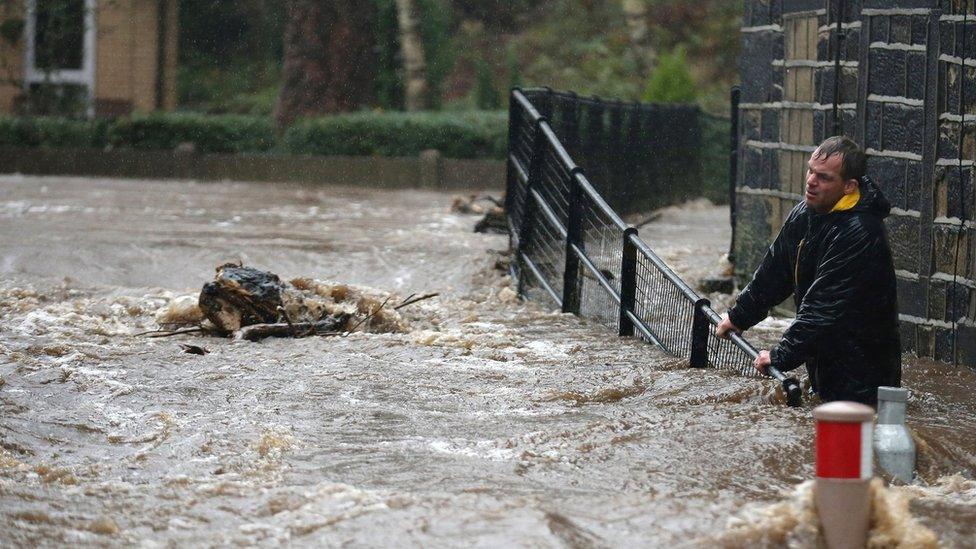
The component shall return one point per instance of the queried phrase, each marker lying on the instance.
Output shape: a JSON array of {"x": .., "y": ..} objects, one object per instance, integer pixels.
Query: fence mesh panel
[
  {"x": 602, "y": 239},
  {"x": 663, "y": 307}
]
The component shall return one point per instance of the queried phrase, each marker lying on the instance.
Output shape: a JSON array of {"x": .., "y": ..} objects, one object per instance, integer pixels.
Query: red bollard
[{"x": 844, "y": 472}]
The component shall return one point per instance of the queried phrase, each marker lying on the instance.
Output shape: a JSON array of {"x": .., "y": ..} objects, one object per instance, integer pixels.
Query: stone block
[
  {"x": 797, "y": 6},
  {"x": 915, "y": 85},
  {"x": 751, "y": 124},
  {"x": 872, "y": 128},
  {"x": 751, "y": 233},
  {"x": 879, "y": 29},
  {"x": 751, "y": 167},
  {"x": 756, "y": 13},
  {"x": 969, "y": 89},
  {"x": 894, "y": 191},
  {"x": 758, "y": 76},
  {"x": 849, "y": 119},
  {"x": 911, "y": 297},
  {"x": 886, "y": 69},
  {"x": 947, "y": 42},
  {"x": 848, "y": 85},
  {"x": 936, "y": 300},
  {"x": 900, "y": 29},
  {"x": 920, "y": 29},
  {"x": 952, "y": 87},
  {"x": 943, "y": 344},
  {"x": 914, "y": 182},
  {"x": 966, "y": 344},
  {"x": 820, "y": 124},
  {"x": 949, "y": 245},
  {"x": 852, "y": 46},
  {"x": 889, "y": 170},
  {"x": 907, "y": 332},
  {"x": 903, "y": 128},
  {"x": 948, "y": 143},
  {"x": 925, "y": 340},
  {"x": 903, "y": 236},
  {"x": 770, "y": 168},
  {"x": 823, "y": 85},
  {"x": 770, "y": 125}
]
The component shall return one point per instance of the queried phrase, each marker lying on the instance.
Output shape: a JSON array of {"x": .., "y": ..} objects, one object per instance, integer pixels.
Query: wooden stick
[
  {"x": 255, "y": 332},
  {"x": 160, "y": 333},
  {"x": 409, "y": 301}
]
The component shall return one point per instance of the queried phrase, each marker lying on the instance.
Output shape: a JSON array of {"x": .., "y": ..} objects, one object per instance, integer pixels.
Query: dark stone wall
[{"x": 907, "y": 94}]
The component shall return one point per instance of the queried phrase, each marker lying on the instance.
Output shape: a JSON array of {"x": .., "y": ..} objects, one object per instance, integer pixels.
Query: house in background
[{"x": 89, "y": 57}]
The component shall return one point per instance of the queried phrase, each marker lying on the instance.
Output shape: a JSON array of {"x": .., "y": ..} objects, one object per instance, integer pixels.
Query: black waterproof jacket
[{"x": 838, "y": 267}]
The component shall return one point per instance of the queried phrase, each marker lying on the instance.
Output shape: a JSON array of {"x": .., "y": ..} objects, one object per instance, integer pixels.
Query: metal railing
[{"x": 571, "y": 247}]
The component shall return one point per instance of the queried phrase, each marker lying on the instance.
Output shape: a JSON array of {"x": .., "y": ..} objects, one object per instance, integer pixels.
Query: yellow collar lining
[{"x": 847, "y": 201}]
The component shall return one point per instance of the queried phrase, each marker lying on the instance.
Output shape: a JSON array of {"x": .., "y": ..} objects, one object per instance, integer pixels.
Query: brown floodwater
[{"x": 486, "y": 421}]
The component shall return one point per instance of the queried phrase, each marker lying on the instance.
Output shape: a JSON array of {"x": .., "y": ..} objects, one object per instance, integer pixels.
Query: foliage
[
  {"x": 671, "y": 81},
  {"x": 512, "y": 66},
  {"x": 389, "y": 70},
  {"x": 458, "y": 135},
  {"x": 46, "y": 132},
  {"x": 230, "y": 55},
  {"x": 486, "y": 95},
  {"x": 208, "y": 133},
  {"x": 455, "y": 135},
  {"x": 435, "y": 33}
]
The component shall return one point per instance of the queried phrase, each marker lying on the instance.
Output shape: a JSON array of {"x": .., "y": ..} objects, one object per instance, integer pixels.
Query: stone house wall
[{"x": 907, "y": 91}]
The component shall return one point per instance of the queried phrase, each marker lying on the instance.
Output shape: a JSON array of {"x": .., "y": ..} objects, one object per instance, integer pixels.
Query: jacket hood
[{"x": 872, "y": 199}]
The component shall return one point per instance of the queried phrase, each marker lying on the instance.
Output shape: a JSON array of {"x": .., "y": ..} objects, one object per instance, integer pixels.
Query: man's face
[{"x": 825, "y": 185}]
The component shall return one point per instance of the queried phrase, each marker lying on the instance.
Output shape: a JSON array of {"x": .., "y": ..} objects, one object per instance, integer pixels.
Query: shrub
[
  {"x": 486, "y": 96},
  {"x": 671, "y": 81},
  {"x": 480, "y": 134},
  {"x": 49, "y": 132},
  {"x": 209, "y": 133}
]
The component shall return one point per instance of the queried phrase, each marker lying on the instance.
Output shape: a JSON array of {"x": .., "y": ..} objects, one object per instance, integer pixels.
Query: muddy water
[{"x": 491, "y": 422}]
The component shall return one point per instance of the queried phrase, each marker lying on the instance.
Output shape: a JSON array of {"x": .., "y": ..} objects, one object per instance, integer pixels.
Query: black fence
[
  {"x": 572, "y": 248},
  {"x": 616, "y": 142}
]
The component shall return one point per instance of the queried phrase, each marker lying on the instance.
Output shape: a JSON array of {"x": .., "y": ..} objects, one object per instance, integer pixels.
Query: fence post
[
  {"x": 528, "y": 209},
  {"x": 628, "y": 282},
  {"x": 513, "y": 123},
  {"x": 574, "y": 236},
  {"x": 699, "y": 335},
  {"x": 733, "y": 165}
]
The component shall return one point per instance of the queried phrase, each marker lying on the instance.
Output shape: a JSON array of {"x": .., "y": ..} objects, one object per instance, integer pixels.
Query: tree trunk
[
  {"x": 329, "y": 63},
  {"x": 635, "y": 15},
  {"x": 415, "y": 95}
]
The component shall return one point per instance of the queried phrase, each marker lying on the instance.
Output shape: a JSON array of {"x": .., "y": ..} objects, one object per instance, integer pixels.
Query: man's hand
[
  {"x": 726, "y": 326},
  {"x": 762, "y": 362}
]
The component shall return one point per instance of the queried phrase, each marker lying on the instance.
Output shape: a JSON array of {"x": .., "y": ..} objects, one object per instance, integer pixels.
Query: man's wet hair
[{"x": 854, "y": 161}]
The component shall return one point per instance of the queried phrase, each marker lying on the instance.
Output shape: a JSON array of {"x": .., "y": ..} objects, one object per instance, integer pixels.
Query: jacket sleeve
[
  {"x": 833, "y": 292},
  {"x": 773, "y": 281}
]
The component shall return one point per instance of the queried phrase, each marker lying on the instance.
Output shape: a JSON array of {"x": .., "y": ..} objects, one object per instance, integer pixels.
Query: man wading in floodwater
[{"x": 832, "y": 254}]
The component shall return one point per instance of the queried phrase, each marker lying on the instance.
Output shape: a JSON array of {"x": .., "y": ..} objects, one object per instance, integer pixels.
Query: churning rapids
[{"x": 490, "y": 422}]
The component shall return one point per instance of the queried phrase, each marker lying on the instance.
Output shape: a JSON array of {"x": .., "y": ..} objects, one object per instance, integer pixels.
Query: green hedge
[
  {"x": 52, "y": 132},
  {"x": 481, "y": 134},
  {"x": 456, "y": 135},
  {"x": 225, "y": 133}
]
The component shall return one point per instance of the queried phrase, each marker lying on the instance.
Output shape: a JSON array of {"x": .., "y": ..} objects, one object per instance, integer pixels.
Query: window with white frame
[{"x": 60, "y": 52}]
